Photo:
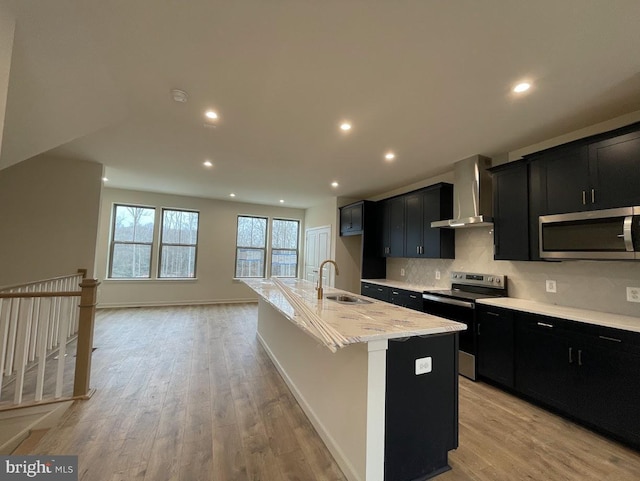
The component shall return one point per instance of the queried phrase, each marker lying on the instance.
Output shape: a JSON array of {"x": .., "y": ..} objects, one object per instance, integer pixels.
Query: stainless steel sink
[{"x": 345, "y": 299}]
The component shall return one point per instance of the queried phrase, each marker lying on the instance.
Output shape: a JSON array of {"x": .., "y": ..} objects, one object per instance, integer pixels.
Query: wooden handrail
[
  {"x": 20, "y": 295},
  {"x": 82, "y": 272}
]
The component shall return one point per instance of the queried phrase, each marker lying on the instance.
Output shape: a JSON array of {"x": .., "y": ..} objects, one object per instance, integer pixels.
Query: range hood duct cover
[{"x": 472, "y": 195}]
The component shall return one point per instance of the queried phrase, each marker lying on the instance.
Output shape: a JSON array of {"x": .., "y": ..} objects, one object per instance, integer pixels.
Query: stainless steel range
[{"x": 459, "y": 304}]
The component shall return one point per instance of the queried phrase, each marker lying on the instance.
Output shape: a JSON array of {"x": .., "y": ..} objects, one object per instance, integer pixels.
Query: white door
[{"x": 317, "y": 248}]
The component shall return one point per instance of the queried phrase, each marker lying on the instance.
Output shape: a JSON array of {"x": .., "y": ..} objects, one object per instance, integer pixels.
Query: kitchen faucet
[{"x": 319, "y": 288}]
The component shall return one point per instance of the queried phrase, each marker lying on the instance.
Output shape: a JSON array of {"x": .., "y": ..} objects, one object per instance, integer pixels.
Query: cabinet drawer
[{"x": 376, "y": 291}]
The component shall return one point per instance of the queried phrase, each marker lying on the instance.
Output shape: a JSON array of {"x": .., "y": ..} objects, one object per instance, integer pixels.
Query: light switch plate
[
  {"x": 551, "y": 286},
  {"x": 423, "y": 365},
  {"x": 633, "y": 294}
]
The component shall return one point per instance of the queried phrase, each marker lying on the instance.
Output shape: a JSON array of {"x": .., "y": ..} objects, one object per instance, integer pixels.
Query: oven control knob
[
  {"x": 490, "y": 279},
  {"x": 498, "y": 280}
]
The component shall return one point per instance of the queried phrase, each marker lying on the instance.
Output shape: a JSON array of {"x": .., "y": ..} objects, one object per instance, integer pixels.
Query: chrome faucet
[{"x": 319, "y": 288}]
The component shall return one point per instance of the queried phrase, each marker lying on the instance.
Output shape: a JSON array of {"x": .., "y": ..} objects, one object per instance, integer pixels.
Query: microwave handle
[{"x": 626, "y": 233}]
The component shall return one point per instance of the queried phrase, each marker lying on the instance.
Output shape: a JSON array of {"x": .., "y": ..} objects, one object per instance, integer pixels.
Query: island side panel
[{"x": 330, "y": 387}]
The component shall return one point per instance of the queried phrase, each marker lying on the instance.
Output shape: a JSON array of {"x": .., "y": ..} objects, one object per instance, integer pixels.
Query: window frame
[
  {"x": 264, "y": 249},
  {"x": 113, "y": 241},
  {"x": 161, "y": 243},
  {"x": 296, "y": 250}
]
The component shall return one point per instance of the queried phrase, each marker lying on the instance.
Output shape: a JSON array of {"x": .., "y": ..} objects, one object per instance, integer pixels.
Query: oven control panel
[{"x": 473, "y": 279}]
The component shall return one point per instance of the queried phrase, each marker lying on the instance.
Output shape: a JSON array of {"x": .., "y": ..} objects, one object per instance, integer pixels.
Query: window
[
  {"x": 131, "y": 241},
  {"x": 284, "y": 248},
  {"x": 251, "y": 246},
  {"x": 178, "y": 245}
]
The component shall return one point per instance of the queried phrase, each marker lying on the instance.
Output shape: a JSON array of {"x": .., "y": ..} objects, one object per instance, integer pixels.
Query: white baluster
[
  {"x": 45, "y": 310},
  {"x": 64, "y": 324},
  {"x": 22, "y": 348}
]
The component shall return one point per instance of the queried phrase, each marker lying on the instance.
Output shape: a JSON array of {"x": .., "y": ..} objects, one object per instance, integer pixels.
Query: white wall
[
  {"x": 7, "y": 29},
  {"x": 216, "y": 252},
  {"x": 49, "y": 210}
]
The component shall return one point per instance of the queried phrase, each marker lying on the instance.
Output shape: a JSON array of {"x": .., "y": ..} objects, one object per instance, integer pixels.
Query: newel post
[{"x": 88, "y": 300}]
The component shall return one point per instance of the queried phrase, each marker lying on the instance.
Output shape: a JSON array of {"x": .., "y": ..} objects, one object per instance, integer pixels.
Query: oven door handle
[{"x": 446, "y": 300}]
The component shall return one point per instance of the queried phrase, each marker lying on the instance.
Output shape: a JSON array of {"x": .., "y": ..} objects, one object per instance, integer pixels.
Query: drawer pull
[
  {"x": 380, "y": 289},
  {"x": 395, "y": 293},
  {"x": 544, "y": 324},
  {"x": 570, "y": 355},
  {"x": 493, "y": 313},
  {"x": 412, "y": 296},
  {"x": 579, "y": 357},
  {"x": 606, "y": 338}
]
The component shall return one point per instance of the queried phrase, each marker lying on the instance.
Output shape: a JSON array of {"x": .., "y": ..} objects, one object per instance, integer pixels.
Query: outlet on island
[
  {"x": 551, "y": 286},
  {"x": 437, "y": 275},
  {"x": 633, "y": 294},
  {"x": 401, "y": 272}
]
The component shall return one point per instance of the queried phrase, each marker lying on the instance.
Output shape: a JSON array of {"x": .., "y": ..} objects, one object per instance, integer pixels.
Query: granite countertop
[
  {"x": 605, "y": 319},
  {"x": 400, "y": 285},
  {"x": 357, "y": 322}
]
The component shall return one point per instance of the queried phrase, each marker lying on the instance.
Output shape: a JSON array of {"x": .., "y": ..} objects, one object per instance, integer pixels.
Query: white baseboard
[
  {"x": 117, "y": 305},
  {"x": 346, "y": 467}
]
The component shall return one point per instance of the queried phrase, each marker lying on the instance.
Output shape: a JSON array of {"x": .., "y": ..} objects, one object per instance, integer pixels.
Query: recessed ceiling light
[
  {"x": 232, "y": 194},
  {"x": 282, "y": 201},
  {"x": 207, "y": 163},
  {"x": 212, "y": 115},
  {"x": 334, "y": 184},
  {"x": 105, "y": 179},
  {"x": 522, "y": 87},
  {"x": 345, "y": 126},
  {"x": 389, "y": 156}
]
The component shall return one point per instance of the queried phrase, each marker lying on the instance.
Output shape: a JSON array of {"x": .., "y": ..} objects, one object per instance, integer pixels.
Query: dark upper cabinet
[
  {"x": 351, "y": 217},
  {"x": 598, "y": 172},
  {"x": 408, "y": 231},
  {"x": 614, "y": 170},
  {"x": 393, "y": 227},
  {"x": 511, "y": 211},
  {"x": 496, "y": 345}
]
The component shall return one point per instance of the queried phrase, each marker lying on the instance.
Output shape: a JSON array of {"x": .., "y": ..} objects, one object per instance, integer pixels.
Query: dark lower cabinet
[
  {"x": 496, "y": 345},
  {"x": 421, "y": 411},
  {"x": 375, "y": 291},
  {"x": 542, "y": 361},
  {"x": 587, "y": 372},
  {"x": 408, "y": 299}
]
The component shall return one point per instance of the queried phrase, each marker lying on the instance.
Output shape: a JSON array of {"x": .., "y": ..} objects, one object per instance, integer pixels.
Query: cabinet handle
[
  {"x": 380, "y": 289},
  {"x": 570, "y": 355},
  {"x": 366, "y": 287},
  {"x": 478, "y": 329},
  {"x": 544, "y": 324},
  {"x": 421, "y": 250},
  {"x": 395, "y": 293},
  {"x": 584, "y": 197},
  {"x": 412, "y": 296},
  {"x": 493, "y": 313},
  {"x": 606, "y": 338},
  {"x": 579, "y": 357},
  {"x": 593, "y": 196},
  {"x": 417, "y": 249}
]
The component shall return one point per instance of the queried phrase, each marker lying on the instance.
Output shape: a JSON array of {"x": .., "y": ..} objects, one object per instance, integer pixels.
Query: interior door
[{"x": 317, "y": 248}]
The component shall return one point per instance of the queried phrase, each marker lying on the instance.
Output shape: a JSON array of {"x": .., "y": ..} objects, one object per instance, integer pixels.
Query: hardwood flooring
[{"x": 188, "y": 394}]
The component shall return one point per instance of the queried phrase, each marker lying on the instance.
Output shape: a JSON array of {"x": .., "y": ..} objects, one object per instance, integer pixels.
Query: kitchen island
[{"x": 384, "y": 399}]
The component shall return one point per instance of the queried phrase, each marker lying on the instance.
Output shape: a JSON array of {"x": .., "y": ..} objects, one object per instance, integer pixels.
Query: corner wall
[
  {"x": 7, "y": 30},
  {"x": 49, "y": 210}
]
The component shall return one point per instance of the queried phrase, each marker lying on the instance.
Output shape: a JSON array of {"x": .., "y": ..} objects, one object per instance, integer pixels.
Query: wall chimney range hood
[{"x": 472, "y": 196}]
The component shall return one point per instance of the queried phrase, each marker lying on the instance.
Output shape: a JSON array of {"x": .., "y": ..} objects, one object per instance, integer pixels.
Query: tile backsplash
[{"x": 595, "y": 285}]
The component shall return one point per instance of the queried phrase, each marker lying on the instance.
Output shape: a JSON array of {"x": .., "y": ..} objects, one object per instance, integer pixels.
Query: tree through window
[{"x": 131, "y": 241}]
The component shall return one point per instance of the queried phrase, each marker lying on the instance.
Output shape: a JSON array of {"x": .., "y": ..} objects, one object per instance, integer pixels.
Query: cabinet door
[
  {"x": 567, "y": 180},
  {"x": 614, "y": 167},
  {"x": 396, "y": 223},
  {"x": 356, "y": 217},
  {"x": 345, "y": 220},
  {"x": 413, "y": 230},
  {"x": 496, "y": 345},
  {"x": 543, "y": 369},
  {"x": 511, "y": 213},
  {"x": 609, "y": 395},
  {"x": 438, "y": 205}
]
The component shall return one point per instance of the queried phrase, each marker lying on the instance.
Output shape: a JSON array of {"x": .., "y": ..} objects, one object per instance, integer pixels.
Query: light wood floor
[{"x": 188, "y": 394}]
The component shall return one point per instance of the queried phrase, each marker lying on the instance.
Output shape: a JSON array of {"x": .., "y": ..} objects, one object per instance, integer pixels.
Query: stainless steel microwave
[{"x": 597, "y": 234}]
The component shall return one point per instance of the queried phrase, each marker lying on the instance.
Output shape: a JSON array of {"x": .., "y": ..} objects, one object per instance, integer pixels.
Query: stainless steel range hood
[{"x": 472, "y": 196}]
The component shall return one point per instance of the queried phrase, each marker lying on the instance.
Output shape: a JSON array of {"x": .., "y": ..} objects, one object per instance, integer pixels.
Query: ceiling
[{"x": 429, "y": 80}]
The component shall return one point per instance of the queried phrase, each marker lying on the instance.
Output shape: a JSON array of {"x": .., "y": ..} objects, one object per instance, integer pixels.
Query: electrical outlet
[
  {"x": 401, "y": 272},
  {"x": 423, "y": 365},
  {"x": 633, "y": 294},
  {"x": 551, "y": 286},
  {"x": 437, "y": 275}
]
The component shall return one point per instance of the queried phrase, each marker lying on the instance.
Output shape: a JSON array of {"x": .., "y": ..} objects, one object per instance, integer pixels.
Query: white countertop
[
  {"x": 357, "y": 322},
  {"x": 400, "y": 285},
  {"x": 605, "y": 319}
]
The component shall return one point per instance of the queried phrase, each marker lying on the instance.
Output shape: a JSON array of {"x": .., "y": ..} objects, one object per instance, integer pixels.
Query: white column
[{"x": 376, "y": 388}]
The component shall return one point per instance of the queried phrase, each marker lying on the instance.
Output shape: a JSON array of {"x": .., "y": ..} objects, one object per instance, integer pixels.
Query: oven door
[{"x": 459, "y": 311}]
